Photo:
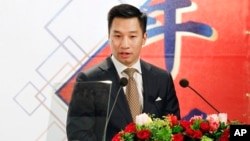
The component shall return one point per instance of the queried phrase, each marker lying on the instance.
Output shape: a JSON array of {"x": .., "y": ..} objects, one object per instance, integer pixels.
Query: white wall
[{"x": 42, "y": 43}]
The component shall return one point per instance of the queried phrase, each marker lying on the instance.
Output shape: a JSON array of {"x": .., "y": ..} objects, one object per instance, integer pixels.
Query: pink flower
[
  {"x": 214, "y": 126},
  {"x": 196, "y": 118},
  {"x": 213, "y": 117},
  {"x": 213, "y": 122}
]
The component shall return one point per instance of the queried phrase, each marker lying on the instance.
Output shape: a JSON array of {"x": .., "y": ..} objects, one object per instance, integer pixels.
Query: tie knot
[{"x": 129, "y": 72}]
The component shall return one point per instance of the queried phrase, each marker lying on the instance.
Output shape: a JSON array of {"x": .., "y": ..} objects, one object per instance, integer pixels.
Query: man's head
[
  {"x": 127, "y": 11},
  {"x": 127, "y": 32}
]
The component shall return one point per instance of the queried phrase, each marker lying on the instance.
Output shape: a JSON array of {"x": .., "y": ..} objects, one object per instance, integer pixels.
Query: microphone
[
  {"x": 123, "y": 82},
  {"x": 184, "y": 83}
]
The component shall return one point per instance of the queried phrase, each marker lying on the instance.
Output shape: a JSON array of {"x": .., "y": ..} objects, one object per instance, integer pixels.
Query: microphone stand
[
  {"x": 109, "y": 115},
  {"x": 123, "y": 82},
  {"x": 203, "y": 99}
]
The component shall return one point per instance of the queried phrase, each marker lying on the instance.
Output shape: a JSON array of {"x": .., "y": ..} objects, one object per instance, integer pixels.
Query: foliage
[{"x": 214, "y": 127}]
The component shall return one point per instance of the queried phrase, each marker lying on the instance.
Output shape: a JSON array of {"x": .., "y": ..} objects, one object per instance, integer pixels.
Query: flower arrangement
[{"x": 146, "y": 128}]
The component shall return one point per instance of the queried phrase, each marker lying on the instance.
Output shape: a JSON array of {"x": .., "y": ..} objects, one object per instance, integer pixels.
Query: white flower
[
  {"x": 223, "y": 117},
  {"x": 213, "y": 117},
  {"x": 143, "y": 119}
]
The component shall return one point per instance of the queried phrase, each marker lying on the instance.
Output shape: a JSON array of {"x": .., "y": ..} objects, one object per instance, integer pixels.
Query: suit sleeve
[{"x": 172, "y": 100}]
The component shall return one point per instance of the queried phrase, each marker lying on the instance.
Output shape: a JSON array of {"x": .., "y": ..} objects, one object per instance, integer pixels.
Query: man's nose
[{"x": 125, "y": 42}]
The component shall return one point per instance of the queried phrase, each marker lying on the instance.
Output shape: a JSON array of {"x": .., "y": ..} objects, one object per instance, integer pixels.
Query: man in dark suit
[{"x": 157, "y": 96}]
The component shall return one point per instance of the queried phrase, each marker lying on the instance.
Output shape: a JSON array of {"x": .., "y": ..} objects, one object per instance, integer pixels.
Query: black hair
[{"x": 127, "y": 11}]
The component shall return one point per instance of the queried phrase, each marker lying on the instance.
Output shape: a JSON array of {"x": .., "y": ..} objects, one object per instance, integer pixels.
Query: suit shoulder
[
  {"x": 97, "y": 71},
  {"x": 104, "y": 64},
  {"x": 154, "y": 68}
]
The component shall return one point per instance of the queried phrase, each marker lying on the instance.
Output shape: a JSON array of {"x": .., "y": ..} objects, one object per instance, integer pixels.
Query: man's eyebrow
[
  {"x": 134, "y": 31},
  {"x": 117, "y": 31}
]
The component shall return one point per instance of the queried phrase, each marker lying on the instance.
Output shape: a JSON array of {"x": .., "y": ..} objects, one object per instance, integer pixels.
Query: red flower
[
  {"x": 117, "y": 137},
  {"x": 130, "y": 128},
  {"x": 196, "y": 134},
  {"x": 178, "y": 137},
  {"x": 204, "y": 126},
  {"x": 185, "y": 124},
  {"x": 189, "y": 131},
  {"x": 143, "y": 134},
  {"x": 173, "y": 119},
  {"x": 225, "y": 135}
]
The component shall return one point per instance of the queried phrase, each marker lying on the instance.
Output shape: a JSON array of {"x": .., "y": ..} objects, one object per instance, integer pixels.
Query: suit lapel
[
  {"x": 122, "y": 107},
  {"x": 148, "y": 78}
]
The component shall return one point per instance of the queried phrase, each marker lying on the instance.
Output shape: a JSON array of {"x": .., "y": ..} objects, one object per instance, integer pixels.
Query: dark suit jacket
[{"x": 157, "y": 83}]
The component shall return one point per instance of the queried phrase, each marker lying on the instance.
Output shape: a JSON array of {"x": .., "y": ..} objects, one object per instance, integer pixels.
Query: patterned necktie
[{"x": 132, "y": 93}]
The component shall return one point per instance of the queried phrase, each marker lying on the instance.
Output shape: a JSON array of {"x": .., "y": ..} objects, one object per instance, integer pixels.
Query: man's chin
[{"x": 126, "y": 62}]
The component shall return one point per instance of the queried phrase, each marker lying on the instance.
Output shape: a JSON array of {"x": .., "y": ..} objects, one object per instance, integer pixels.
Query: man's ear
[{"x": 145, "y": 36}]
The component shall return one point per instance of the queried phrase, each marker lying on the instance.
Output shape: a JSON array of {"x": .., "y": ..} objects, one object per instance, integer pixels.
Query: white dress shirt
[{"x": 137, "y": 75}]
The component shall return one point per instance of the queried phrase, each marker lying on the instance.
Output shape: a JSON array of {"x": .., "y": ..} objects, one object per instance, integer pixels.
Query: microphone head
[
  {"x": 184, "y": 82},
  {"x": 123, "y": 81}
]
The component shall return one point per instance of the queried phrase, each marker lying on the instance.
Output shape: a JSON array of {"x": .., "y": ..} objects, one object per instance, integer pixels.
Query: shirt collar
[{"x": 120, "y": 67}]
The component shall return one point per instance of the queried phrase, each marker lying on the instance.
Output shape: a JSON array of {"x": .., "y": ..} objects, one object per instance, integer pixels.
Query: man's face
[{"x": 126, "y": 40}]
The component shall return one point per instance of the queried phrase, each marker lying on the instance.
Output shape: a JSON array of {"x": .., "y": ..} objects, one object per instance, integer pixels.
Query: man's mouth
[{"x": 124, "y": 54}]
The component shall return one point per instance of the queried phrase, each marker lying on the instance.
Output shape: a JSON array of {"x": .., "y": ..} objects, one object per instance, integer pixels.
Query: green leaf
[{"x": 177, "y": 129}]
